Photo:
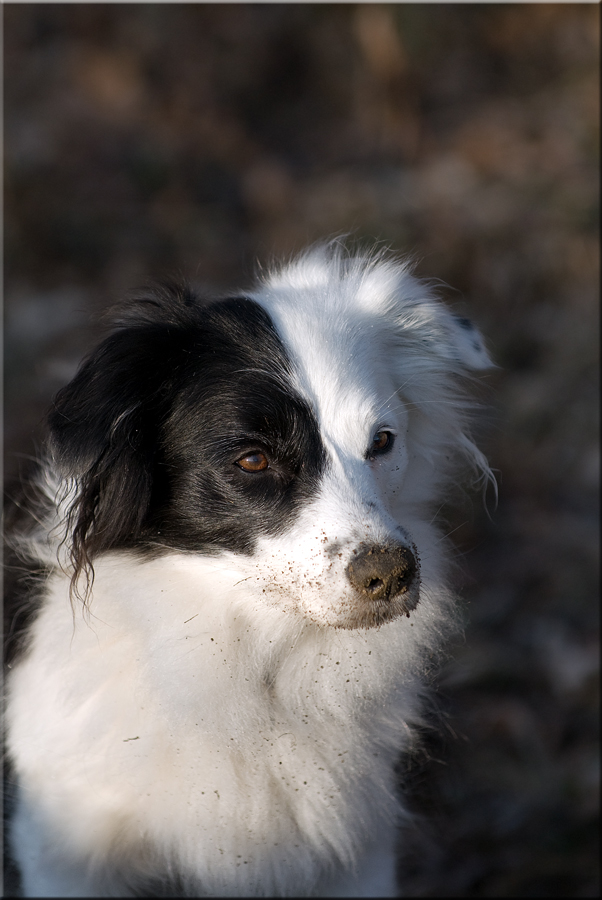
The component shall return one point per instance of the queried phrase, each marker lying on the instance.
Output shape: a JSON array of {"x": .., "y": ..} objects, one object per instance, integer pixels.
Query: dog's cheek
[
  {"x": 297, "y": 575},
  {"x": 389, "y": 476}
]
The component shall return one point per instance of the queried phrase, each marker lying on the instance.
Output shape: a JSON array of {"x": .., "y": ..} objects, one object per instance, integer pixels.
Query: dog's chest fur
[{"x": 238, "y": 740}]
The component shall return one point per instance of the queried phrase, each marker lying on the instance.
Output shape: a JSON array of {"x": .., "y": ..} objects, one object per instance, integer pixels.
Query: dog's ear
[
  {"x": 467, "y": 344},
  {"x": 390, "y": 289},
  {"x": 104, "y": 429}
]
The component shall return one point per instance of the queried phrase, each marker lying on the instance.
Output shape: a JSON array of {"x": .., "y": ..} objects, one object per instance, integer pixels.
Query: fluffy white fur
[{"x": 217, "y": 717}]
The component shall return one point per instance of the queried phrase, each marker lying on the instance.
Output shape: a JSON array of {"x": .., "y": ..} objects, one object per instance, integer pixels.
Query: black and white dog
[{"x": 242, "y": 582}]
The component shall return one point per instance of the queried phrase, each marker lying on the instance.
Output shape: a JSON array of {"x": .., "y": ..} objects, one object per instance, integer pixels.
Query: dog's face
[{"x": 275, "y": 430}]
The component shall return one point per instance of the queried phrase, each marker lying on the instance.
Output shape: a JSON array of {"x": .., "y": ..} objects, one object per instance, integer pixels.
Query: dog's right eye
[{"x": 253, "y": 462}]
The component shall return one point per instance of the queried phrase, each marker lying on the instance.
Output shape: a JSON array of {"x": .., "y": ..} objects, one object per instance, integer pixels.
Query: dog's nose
[{"x": 381, "y": 571}]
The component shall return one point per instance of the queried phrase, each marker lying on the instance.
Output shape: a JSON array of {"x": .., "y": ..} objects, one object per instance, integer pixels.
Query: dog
[{"x": 238, "y": 582}]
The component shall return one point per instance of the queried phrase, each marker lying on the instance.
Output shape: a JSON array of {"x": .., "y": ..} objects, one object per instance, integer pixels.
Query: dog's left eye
[
  {"x": 253, "y": 462},
  {"x": 381, "y": 442}
]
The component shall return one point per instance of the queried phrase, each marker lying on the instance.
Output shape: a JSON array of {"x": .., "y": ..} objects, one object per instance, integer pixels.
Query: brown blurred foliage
[{"x": 203, "y": 139}]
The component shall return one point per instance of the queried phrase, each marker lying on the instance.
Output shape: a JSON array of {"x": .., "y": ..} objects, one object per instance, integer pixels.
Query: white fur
[{"x": 218, "y": 714}]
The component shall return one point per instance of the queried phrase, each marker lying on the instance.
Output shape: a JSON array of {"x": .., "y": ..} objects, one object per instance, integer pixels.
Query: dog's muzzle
[{"x": 385, "y": 574}]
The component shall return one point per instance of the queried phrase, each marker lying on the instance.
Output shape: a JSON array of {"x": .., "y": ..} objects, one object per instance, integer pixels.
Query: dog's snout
[{"x": 381, "y": 571}]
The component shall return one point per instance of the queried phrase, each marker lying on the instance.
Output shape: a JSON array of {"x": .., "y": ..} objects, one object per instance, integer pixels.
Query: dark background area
[{"x": 152, "y": 139}]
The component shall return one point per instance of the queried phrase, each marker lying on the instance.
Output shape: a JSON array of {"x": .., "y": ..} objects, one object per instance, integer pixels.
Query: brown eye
[
  {"x": 382, "y": 440},
  {"x": 253, "y": 462}
]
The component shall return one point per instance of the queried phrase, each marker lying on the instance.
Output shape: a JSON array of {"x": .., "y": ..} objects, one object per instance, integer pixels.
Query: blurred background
[{"x": 152, "y": 139}]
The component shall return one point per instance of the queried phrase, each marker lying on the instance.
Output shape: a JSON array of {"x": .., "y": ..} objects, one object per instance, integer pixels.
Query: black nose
[{"x": 381, "y": 571}]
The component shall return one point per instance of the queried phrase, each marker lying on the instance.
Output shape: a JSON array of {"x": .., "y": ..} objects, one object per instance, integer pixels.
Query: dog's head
[{"x": 300, "y": 432}]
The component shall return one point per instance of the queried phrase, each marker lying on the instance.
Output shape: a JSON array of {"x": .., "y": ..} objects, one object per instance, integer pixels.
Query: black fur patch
[{"x": 154, "y": 422}]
